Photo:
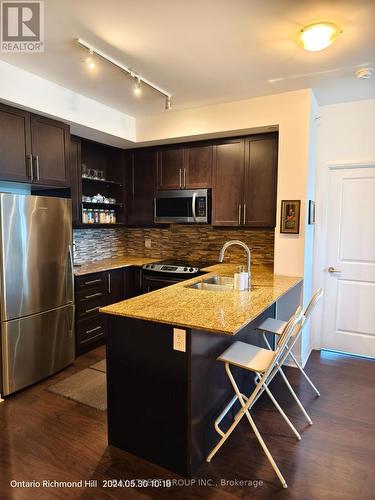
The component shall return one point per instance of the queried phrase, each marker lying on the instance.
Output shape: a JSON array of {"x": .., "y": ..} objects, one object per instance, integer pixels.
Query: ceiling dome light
[
  {"x": 319, "y": 36},
  {"x": 364, "y": 73}
]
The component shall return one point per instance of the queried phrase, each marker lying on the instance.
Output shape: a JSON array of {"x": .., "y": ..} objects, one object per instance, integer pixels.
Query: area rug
[
  {"x": 87, "y": 386},
  {"x": 101, "y": 366}
]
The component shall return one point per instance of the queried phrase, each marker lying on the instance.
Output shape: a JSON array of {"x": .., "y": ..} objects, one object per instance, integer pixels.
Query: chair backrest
[
  {"x": 310, "y": 307},
  {"x": 291, "y": 325}
]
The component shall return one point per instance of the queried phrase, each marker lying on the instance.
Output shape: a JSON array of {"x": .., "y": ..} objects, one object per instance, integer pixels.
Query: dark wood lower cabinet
[
  {"x": 184, "y": 391},
  {"x": 93, "y": 291}
]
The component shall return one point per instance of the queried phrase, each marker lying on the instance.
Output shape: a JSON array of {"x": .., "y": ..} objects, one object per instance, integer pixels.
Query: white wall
[
  {"x": 346, "y": 134},
  {"x": 29, "y": 91},
  {"x": 292, "y": 112}
]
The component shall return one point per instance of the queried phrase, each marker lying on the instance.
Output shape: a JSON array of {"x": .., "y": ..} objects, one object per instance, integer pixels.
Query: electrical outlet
[
  {"x": 147, "y": 242},
  {"x": 179, "y": 339}
]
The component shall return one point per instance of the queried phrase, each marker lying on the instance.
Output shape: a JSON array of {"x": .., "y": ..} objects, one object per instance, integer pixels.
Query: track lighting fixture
[
  {"x": 138, "y": 79},
  {"x": 168, "y": 102},
  {"x": 90, "y": 61},
  {"x": 137, "y": 86}
]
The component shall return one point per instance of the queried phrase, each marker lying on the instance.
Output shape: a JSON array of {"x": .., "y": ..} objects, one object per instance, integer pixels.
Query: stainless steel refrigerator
[{"x": 37, "y": 281}]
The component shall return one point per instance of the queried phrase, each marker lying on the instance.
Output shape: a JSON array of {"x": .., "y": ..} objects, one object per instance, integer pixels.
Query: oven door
[
  {"x": 182, "y": 206},
  {"x": 153, "y": 282}
]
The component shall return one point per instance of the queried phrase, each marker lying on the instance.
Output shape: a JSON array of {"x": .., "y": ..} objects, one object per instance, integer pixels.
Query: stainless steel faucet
[{"x": 241, "y": 244}]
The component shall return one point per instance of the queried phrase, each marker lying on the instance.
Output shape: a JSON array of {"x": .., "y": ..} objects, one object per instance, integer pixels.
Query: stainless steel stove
[{"x": 167, "y": 272}]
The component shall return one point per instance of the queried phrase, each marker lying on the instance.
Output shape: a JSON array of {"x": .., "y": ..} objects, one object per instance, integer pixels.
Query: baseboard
[{"x": 291, "y": 363}]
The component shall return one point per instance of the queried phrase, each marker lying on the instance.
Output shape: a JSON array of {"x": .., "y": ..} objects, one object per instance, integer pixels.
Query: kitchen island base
[{"x": 162, "y": 402}]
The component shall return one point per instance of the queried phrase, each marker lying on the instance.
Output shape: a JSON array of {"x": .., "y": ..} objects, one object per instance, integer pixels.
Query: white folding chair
[
  {"x": 265, "y": 364},
  {"x": 275, "y": 326}
]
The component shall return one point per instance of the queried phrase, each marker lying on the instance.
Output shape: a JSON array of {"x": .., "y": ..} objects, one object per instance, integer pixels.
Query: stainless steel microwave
[{"x": 190, "y": 206}]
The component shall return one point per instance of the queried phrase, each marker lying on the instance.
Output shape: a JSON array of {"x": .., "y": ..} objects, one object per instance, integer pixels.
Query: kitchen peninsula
[{"x": 165, "y": 387}]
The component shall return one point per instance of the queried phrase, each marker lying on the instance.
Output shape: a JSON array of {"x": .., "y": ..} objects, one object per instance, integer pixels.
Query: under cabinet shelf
[
  {"x": 93, "y": 204},
  {"x": 98, "y": 226},
  {"x": 101, "y": 181}
]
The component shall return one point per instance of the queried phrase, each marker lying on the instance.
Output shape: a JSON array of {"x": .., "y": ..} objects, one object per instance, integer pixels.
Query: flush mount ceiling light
[
  {"x": 138, "y": 78},
  {"x": 364, "y": 73},
  {"x": 318, "y": 36}
]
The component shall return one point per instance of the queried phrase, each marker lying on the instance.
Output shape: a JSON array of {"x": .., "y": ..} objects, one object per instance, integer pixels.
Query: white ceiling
[{"x": 204, "y": 51}]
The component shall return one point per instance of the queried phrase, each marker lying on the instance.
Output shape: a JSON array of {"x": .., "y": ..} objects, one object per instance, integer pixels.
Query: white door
[{"x": 349, "y": 311}]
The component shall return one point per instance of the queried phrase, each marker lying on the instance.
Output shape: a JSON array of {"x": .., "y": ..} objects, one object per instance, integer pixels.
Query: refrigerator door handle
[{"x": 70, "y": 254}]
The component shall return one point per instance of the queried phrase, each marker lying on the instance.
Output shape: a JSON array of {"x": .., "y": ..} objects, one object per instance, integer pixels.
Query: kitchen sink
[{"x": 214, "y": 284}]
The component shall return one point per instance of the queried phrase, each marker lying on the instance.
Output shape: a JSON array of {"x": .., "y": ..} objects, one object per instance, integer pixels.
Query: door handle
[
  {"x": 31, "y": 175},
  {"x": 239, "y": 214},
  {"x": 244, "y": 214},
  {"x": 71, "y": 265},
  {"x": 109, "y": 282},
  {"x": 184, "y": 178},
  {"x": 37, "y": 168},
  {"x": 193, "y": 207},
  {"x": 180, "y": 173},
  {"x": 333, "y": 270}
]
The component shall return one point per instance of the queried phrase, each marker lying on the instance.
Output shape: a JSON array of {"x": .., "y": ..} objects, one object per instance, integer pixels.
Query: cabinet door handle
[
  {"x": 37, "y": 168},
  {"x": 92, "y": 338},
  {"x": 94, "y": 329},
  {"x": 92, "y": 282},
  {"x": 244, "y": 214},
  {"x": 239, "y": 214},
  {"x": 31, "y": 174},
  {"x": 99, "y": 294},
  {"x": 92, "y": 309},
  {"x": 184, "y": 178},
  {"x": 180, "y": 172},
  {"x": 109, "y": 282}
]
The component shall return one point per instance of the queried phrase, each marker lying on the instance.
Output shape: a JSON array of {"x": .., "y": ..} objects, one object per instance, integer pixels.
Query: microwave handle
[{"x": 193, "y": 200}]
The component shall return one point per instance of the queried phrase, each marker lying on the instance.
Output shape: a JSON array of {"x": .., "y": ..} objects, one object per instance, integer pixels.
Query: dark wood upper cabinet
[
  {"x": 260, "y": 182},
  {"x": 15, "y": 150},
  {"x": 141, "y": 165},
  {"x": 198, "y": 166},
  {"x": 187, "y": 166},
  {"x": 244, "y": 182},
  {"x": 76, "y": 181},
  {"x": 50, "y": 145},
  {"x": 170, "y": 170},
  {"x": 228, "y": 178}
]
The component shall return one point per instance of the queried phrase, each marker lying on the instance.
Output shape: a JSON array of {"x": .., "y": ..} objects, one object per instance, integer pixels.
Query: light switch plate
[{"x": 179, "y": 339}]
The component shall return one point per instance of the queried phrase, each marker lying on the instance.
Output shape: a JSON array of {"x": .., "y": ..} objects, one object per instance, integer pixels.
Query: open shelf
[
  {"x": 101, "y": 181},
  {"x": 93, "y": 204},
  {"x": 98, "y": 226}
]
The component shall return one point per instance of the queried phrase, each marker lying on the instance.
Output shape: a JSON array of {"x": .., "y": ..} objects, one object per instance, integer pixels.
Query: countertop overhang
[
  {"x": 98, "y": 266},
  {"x": 218, "y": 312}
]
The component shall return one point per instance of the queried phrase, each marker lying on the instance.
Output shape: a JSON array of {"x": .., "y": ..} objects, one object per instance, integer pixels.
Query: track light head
[
  {"x": 137, "y": 86},
  {"x": 168, "y": 102}
]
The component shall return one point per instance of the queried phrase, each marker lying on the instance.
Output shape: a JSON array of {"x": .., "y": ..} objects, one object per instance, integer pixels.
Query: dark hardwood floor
[{"x": 44, "y": 436}]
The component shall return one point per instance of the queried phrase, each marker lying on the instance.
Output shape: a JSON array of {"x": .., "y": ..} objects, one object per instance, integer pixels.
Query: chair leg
[
  {"x": 289, "y": 386},
  {"x": 282, "y": 413},
  {"x": 254, "y": 427},
  {"x": 304, "y": 374},
  {"x": 295, "y": 396}
]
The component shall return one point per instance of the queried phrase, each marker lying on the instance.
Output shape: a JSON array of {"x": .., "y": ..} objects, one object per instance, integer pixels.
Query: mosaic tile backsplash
[{"x": 177, "y": 241}]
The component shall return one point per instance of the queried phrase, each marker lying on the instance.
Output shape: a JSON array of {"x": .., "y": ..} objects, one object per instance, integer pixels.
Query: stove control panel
[{"x": 170, "y": 268}]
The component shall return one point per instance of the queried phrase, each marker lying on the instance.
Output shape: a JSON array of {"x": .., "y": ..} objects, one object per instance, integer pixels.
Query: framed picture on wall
[
  {"x": 311, "y": 212},
  {"x": 290, "y": 212}
]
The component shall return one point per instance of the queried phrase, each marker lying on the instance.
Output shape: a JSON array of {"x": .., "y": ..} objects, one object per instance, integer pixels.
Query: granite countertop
[
  {"x": 219, "y": 312},
  {"x": 97, "y": 266}
]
